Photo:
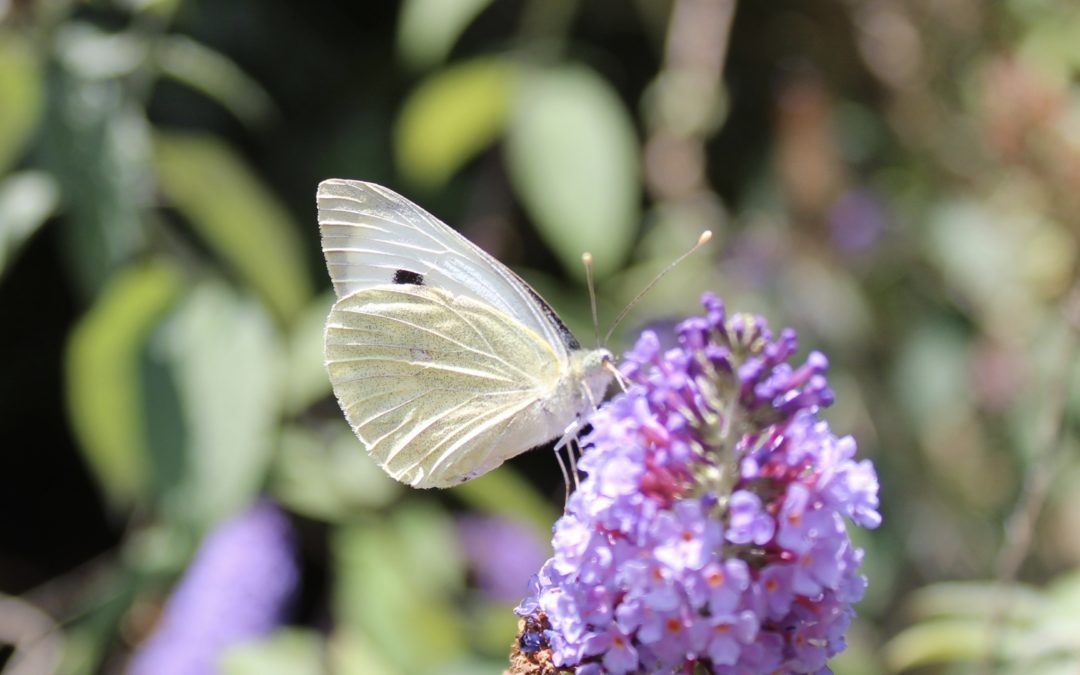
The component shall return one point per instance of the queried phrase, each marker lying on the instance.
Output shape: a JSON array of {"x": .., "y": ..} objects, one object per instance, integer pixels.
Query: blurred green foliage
[{"x": 896, "y": 180}]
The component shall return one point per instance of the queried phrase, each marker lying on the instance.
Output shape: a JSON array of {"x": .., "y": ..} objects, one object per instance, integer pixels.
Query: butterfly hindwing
[{"x": 439, "y": 387}]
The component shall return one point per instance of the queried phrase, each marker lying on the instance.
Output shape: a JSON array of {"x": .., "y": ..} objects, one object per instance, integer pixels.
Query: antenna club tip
[
  {"x": 705, "y": 237},
  {"x": 586, "y": 258}
]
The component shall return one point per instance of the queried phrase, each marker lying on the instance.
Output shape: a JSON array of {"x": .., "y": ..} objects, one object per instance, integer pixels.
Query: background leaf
[
  {"x": 381, "y": 592},
  {"x": 27, "y": 199},
  {"x": 573, "y": 156},
  {"x": 324, "y": 473},
  {"x": 289, "y": 651},
  {"x": 227, "y": 364},
  {"x": 307, "y": 380},
  {"x": 95, "y": 144},
  {"x": 236, "y": 215},
  {"x": 428, "y": 29},
  {"x": 22, "y": 94},
  {"x": 451, "y": 116},
  {"x": 216, "y": 76},
  {"x": 104, "y": 398}
]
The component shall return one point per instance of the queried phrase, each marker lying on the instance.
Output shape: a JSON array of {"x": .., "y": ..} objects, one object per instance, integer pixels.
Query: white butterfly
[{"x": 445, "y": 362}]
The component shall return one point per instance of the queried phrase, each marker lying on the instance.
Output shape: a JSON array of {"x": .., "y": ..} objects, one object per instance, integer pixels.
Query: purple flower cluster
[
  {"x": 235, "y": 589},
  {"x": 710, "y": 529}
]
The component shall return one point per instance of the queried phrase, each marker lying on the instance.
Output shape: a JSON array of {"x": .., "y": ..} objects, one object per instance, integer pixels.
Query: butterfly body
[{"x": 444, "y": 362}]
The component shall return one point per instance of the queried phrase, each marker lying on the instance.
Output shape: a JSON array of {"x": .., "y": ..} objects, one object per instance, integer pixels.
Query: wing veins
[
  {"x": 474, "y": 431},
  {"x": 426, "y": 365},
  {"x": 437, "y": 334},
  {"x": 407, "y": 440}
]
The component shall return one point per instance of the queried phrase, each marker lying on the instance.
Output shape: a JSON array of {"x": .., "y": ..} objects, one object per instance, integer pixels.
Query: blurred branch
[
  {"x": 1020, "y": 526},
  {"x": 686, "y": 103}
]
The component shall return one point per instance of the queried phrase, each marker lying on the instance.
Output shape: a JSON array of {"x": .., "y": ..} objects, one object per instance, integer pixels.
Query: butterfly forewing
[
  {"x": 434, "y": 383},
  {"x": 372, "y": 236}
]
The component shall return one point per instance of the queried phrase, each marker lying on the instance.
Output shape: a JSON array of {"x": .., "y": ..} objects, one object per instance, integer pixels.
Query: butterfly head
[{"x": 595, "y": 368}]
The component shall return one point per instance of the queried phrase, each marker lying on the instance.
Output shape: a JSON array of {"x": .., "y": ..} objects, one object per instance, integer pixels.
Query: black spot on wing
[{"x": 408, "y": 277}]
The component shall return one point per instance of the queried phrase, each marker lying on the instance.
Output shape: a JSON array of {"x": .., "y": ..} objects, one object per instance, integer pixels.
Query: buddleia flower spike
[{"x": 710, "y": 530}]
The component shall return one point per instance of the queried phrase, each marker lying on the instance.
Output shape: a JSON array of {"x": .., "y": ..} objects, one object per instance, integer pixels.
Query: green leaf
[
  {"x": 93, "y": 54},
  {"x": 381, "y": 594},
  {"x": 451, "y": 116},
  {"x": 428, "y": 29},
  {"x": 289, "y": 651},
  {"x": 21, "y": 94},
  {"x": 95, "y": 142},
  {"x": 308, "y": 382},
  {"x": 227, "y": 363},
  {"x": 103, "y": 392},
  {"x": 216, "y": 76},
  {"x": 977, "y": 600},
  {"x": 324, "y": 473},
  {"x": 27, "y": 199},
  {"x": 506, "y": 493},
  {"x": 352, "y": 653},
  {"x": 938, "y": 641},
  {"x": 931, "y": 373},
  {"x": 237, "y": 216},
  {"x": 573, "y": 157},
  {"x": 426, "y": 534}
]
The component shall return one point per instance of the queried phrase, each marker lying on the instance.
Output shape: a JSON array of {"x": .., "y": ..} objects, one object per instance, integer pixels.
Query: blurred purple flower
[
  {"x": 710, "y": 528},
  {"x": 857, "y": 221},
  {"x": 502, "y": 554},
  {"x": 235, "y": 589}
]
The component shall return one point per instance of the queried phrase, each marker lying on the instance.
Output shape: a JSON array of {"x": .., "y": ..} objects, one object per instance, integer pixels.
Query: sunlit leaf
[
  {"x": 977, "y": 600},
  {"x": 451, "y": 116},
  {"x": 237, "y": 216},
  {"x": 506, "y": 493},
  {"x": 27, "y": 199},
  {"x": 103, "y": 393},
  {"x": 426, "y": 534},
  {"x": 939, "y": 641},
  {"x": 21, "y": 95},
  {"x": 227, "y": 362},
  {"x": 381, "y": 594},
  {"x": 324, "y": 473},
  {"x": 428, "y": 29},
  {"x": 573, "y": 156},
  {"x": 93, "y": 54},
  {"x": 160, "y": 9},
  {"x": 472, "y": 666},
  {"x": 216, "y": 76},
  {"x": 352, "y": 653},
  {"x": 289, "y": 651},
  {"x": 494, "y": 627}
]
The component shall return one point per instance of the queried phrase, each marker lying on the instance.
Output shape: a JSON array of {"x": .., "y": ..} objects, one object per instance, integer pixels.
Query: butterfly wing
[
  {"x": 372, "y": 236},
  {"x": 440, "y": 387}
]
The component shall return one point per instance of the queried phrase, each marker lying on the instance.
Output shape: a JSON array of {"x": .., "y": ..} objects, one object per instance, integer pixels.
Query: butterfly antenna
[
  {"x": 586, "y": 259},
  {"x": 702, "y": 240}
]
